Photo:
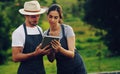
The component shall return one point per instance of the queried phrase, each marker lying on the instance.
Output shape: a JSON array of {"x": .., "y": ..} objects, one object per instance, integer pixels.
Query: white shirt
[
  {"x": 68, "y": 31},
  {"x": 18, "y": 36}
]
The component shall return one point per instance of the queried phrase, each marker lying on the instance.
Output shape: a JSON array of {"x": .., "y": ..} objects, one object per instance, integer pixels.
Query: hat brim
[{"x": 43, "y": 10}]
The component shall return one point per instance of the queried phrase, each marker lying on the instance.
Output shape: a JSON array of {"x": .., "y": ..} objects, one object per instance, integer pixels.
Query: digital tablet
[{"x": 47, "y": 39}]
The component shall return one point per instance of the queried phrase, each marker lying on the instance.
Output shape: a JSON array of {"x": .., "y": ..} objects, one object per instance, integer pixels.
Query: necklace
[{"x": 55, "y": 32}]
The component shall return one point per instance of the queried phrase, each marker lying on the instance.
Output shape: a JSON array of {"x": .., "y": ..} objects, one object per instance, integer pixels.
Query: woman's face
[{"x": 53, "y": 18}]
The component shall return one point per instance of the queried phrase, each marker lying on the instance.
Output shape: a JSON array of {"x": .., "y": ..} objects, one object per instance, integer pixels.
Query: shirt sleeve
[
  {"x": 17, "y": 39},
  {"x": 45, "y": 32},
  {"x": 69, "y": 31}
]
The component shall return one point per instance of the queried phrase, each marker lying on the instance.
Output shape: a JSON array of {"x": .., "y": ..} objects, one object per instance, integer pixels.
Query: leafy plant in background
[{"x": 105, "y": 15}]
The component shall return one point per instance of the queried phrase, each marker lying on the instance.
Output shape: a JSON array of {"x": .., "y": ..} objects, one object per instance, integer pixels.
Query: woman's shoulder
[
  {"x": 68, "y": 30},
  {"x": 66, "y": 26},
  {"x": 45, "y": 32}
]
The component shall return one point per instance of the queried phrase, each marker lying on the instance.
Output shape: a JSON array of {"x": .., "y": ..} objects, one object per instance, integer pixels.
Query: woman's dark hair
[{"x": 58, "y": 8}]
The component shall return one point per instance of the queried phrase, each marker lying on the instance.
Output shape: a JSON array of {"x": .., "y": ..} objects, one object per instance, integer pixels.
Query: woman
[{"x": 67, "y": 58}]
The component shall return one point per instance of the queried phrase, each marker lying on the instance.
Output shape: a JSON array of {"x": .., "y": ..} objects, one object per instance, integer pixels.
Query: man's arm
[{"x": 18, "y": 56}]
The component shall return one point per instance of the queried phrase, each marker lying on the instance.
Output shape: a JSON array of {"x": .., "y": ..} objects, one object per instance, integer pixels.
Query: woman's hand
[{"x": 56, "y": 45}]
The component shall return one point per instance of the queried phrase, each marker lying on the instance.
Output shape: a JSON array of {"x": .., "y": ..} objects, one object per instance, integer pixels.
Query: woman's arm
[{"x": 71, "y": 47}]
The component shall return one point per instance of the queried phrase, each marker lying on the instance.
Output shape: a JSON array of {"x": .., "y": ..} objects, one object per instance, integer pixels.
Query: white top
[
  {"x": 18, "y": 36},
  {"x": 68, "y": 31}
]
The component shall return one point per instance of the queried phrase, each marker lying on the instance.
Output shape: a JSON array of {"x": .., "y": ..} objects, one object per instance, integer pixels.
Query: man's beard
[{"x": 33, "y": 23}]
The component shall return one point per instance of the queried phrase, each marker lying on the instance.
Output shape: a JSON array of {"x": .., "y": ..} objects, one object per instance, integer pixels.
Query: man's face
[{"x": 32, "y": 20}]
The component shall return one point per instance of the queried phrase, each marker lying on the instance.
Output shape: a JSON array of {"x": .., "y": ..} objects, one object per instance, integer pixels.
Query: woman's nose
[{"x": 52, "y": 19}]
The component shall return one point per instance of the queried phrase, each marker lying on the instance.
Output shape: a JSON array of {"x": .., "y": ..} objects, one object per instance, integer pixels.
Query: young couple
[{"x": 27, "y": 37}]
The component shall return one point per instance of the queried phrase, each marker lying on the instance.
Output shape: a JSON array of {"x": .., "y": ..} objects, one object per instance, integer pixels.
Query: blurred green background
[{"x": 95, "y": 23}]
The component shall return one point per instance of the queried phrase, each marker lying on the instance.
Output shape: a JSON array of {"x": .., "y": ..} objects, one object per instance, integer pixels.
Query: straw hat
[{"x": 32, "y": 8}]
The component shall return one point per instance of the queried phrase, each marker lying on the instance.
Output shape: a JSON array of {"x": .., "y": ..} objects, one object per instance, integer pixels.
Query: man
[{"x": 26, "y": 39}]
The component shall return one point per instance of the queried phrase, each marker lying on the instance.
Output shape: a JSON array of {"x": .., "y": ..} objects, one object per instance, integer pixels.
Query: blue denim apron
[
  {"x": 33, "y": 65},
  {"x": 66, "y": 65}
]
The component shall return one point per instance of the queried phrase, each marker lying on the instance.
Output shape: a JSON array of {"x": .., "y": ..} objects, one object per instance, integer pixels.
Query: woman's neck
[{"x": 55, "y": 28}]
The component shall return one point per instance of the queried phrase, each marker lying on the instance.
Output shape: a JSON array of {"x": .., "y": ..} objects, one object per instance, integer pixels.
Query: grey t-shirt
[{"x": 68, "y": 31}]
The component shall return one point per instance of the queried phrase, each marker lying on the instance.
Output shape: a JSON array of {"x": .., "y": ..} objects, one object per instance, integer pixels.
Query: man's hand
[{"x": 44, "y": 51}]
